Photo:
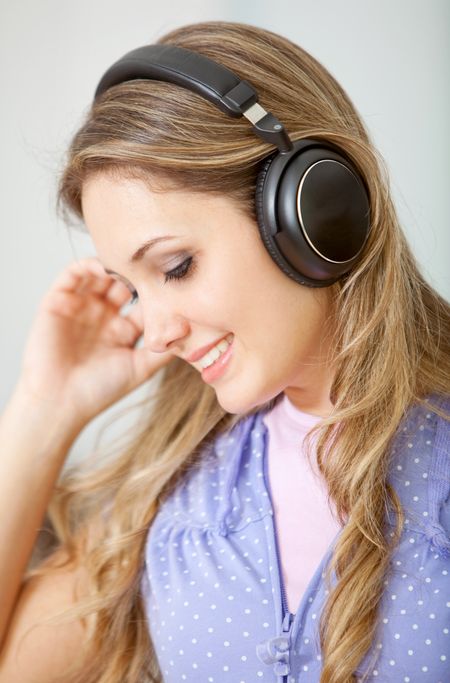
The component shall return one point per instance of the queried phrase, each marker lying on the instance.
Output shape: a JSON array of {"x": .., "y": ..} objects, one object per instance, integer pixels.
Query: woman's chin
[{"x": 241, "y": 405}]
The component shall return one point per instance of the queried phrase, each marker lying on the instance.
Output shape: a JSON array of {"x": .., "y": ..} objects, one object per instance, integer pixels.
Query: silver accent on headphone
[
  {"x": 255, "y": 113},
  {"x": 299, "y": 212}
]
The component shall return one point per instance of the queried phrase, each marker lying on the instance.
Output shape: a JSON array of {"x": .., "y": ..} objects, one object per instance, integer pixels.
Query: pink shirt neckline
[
  {"x": 305, "y": 523},
  {"x": 302, "y": 419}
]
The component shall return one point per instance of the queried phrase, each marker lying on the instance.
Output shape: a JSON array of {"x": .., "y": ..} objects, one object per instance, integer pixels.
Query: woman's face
[{"x": 211, "y": 278}]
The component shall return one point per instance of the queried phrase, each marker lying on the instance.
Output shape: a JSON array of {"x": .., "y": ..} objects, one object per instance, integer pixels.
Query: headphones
[{"x": 312, "y": 205}]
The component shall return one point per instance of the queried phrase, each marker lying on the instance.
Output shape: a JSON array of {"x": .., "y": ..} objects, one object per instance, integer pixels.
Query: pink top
[{"x": 304, "y": 521}]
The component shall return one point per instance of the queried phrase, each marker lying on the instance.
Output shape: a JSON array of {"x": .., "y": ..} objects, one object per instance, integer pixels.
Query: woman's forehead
[{"x": 125, "y": 215}]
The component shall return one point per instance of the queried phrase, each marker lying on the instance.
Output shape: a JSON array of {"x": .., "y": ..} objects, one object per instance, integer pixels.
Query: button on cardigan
[{"x": 213, "y": 590}]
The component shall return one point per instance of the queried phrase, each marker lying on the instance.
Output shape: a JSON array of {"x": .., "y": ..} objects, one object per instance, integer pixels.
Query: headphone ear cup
[
  {"x": 265, "y": 229},
  {"x": 313, "y": 212},
  {"x": 266, "y": 198}
]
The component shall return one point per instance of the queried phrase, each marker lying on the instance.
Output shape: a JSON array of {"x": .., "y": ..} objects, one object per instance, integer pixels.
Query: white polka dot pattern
[{"x": 212, "y": 585}]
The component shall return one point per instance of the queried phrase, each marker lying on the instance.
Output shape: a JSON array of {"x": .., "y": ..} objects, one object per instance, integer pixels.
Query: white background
[{"x": 392, "y": 57}]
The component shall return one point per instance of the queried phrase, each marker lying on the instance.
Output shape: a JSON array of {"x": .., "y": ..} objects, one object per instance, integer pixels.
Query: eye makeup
[{"x": 183, "y": 270}]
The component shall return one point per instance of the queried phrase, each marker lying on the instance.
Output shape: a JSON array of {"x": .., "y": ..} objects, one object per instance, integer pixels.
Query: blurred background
[{"x": 393, "y": 59}]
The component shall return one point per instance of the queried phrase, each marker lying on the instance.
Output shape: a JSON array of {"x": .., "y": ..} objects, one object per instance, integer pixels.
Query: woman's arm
[
  {"x": 38, "y": 653},
  {"x": 34, "y": 441},
  {"x": 80, "y": 358}
]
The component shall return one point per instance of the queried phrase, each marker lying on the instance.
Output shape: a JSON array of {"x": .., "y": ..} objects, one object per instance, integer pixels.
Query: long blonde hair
[{"x": 391, "y": 347}]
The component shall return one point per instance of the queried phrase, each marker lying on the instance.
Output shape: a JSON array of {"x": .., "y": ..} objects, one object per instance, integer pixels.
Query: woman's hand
[{"x": 80, "y": 356}]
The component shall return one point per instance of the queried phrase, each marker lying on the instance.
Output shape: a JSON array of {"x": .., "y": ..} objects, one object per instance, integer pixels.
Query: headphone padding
[{"x": 266, "y": 235}]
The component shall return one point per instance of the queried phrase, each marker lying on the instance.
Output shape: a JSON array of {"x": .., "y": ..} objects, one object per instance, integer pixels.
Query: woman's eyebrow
[{"x": 139, "y": 253}]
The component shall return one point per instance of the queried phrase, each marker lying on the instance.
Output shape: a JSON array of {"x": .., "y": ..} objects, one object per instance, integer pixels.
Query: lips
[{"x": 196, "y": 355}]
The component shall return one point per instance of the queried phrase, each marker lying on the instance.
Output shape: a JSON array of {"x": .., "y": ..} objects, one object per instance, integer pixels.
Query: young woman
[{"x": 281, "y": 511}]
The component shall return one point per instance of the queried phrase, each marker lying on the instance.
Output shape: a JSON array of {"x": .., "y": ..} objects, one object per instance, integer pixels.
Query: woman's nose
[{"x": 163, "y": 329}]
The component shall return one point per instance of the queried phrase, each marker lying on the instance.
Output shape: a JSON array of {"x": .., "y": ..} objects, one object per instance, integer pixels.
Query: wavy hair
[{"x": 391, "y": 345}]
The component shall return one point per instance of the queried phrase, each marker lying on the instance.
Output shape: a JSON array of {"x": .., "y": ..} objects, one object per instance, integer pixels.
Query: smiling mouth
[{"x": 216, "y": 352}]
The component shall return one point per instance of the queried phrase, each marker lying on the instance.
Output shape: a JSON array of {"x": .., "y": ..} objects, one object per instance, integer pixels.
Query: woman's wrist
[{"x": 50, "y": 423}]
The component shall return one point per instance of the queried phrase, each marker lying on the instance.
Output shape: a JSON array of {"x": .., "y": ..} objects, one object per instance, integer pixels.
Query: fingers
[
  {"x": 125, "y": 332},
  {"x": 73, "y": 275},
  {"x": 88, "y": 276},
  {"x": 118, "y": 294},
  {"x": 134, "y": 314},
  {"x": 81, "y": 277},
  {"x": 134, "y": 319}
]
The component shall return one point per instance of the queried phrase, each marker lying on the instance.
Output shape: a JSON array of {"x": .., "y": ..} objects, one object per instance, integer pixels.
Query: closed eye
[
  {"x": 185, "y": 269},
  {"x": 181, "y": 271}
]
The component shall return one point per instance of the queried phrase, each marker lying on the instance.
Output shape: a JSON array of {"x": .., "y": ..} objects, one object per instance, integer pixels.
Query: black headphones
[{"x": 312, "y": 205}]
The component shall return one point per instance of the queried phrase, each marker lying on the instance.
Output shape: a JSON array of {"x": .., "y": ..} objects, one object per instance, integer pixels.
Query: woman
[{"x": 207, "y": 550}]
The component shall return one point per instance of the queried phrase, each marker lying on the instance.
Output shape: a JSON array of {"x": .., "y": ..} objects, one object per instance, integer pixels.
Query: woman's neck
[{"x": 313, "y": 397}]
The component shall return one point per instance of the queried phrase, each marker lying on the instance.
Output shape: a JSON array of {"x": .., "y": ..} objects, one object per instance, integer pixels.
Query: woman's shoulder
[
  {"x": 420, "y": 471},
  {"x": 423, "y": 437},
  {"x": 203, "y": 497}
]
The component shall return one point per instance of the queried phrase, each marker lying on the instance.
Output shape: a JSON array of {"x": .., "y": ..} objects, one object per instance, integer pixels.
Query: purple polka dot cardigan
[{"x": 213, "y": 590}]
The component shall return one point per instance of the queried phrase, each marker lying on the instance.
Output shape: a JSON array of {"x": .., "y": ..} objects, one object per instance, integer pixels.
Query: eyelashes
[
  {"x": 181, "y": 271},
  {"x": 185, "y": 269}
]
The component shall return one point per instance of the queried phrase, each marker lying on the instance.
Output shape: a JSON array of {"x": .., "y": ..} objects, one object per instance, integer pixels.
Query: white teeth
[
  {"x": 223, "y": 345},
  {"x": 214, "y": 353}
]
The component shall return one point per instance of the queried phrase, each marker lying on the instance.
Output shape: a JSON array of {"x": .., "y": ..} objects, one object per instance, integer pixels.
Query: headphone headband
[{"x": 213, "y": 81}]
